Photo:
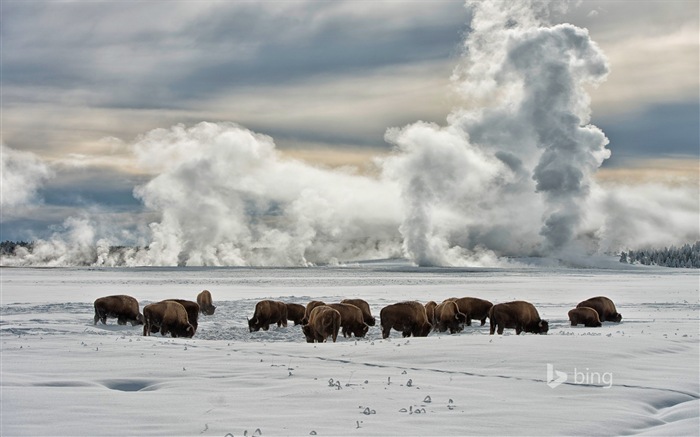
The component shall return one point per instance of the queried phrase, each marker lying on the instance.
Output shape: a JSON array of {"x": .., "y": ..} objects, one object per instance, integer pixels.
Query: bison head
[
  {"x": 617, "y": 317},
  {"x": 308, "y": 333},
  {"x": 542, "y": 327},
  {"x": 139, "y": 320},
  {"x": 254, "y": 324},
  {"x": 209, "y": 310}
]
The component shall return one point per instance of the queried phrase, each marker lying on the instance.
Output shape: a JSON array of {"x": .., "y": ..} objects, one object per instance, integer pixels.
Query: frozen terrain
[{"x": 62, "y": 375}]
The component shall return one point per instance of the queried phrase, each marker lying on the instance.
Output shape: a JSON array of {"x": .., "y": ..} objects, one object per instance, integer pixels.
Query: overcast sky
[{"x": 325, "y": 79}]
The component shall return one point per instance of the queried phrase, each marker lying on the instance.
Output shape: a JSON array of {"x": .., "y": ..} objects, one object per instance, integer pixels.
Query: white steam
[
  {"x": 511, "y": 178},
  {"x": 22, "y": 174}
]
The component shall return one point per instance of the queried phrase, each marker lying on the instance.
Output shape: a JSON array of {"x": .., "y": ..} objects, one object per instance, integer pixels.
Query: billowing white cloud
[{"x": 23, "y": 174}]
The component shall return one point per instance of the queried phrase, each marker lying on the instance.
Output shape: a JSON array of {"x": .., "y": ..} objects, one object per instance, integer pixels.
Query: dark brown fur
[
  {"x": 205, "y": 303},
  {"x": 295, "y": 313},
  {"x": 604, "y": 307},
  {"x": 364, "y": 306},
  {"x": 408, "y": 317},
  {"x": 324, "y": 322},
  {"x": 309, "y": 307},
  {"x": 351, "y": 320},
  {"x": 518, "y": 315},
  {"x": 586, "y": 316},
  {"x": 169, "y": 316},
  {"x": 268, "y": 312},
  {"x": 122, "y": 307},
  {"x": 192, "y": 309},
  {"x": 430, "y": 312},
  {"x": 474, "y": 308},
  {"x": 448, "y": 316}
]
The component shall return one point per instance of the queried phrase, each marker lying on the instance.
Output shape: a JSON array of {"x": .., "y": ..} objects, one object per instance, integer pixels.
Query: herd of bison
[{"x": 352, "y": 316}]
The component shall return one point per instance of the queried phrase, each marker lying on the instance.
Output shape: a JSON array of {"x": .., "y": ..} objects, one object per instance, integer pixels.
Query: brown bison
[
  {"x": 448, "y": 316},
  {"x": 309, "y": 307},
  {"x": 192, "y": 309},
  {"x": 169, "y": 316},
  {"x": 324, "y": 322},
  {"x": 430, "y": 312},
  {"x": 364, "y": 307},
  {"x": 586, "y": 316},
  {"x": 205, "y": 303},
  {"x": 268, "y": 312},
  {"x": 408, "y": 317},
  {"x": 520, "y": 315},
  {"x": 474, "y": 308},
  {"x": 123, "y": 308},
  {"x": 295, "y": 312},
  {"x": 351, "y": 320},
  {"x": 604, "y": 307}
]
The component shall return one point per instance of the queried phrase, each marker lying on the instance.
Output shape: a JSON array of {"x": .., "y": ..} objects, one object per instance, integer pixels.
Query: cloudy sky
[{"x": 83, "y": 80}]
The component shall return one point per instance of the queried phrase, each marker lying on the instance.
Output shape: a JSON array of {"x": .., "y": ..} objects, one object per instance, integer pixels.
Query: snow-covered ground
[{"x": 61, "y": 375}]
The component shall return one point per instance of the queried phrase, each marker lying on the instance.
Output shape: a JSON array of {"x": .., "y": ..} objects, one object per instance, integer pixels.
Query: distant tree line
[
  {"x": 686, "y": 256},
  {"x": 8, "y": 247}
]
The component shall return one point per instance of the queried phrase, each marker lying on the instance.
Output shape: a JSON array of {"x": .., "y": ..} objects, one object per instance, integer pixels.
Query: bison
[
  {"x": 205, "y": 303},
  {"x": 364, "y": 307},
  {"x": 122, "y": 307},
  {"x": 520, "y": 315},
  {"x": 268, "y": 312},
  {"x": 430, "y": 312},
  {"x": 295, "y": 312},
  {"x": 351, "y": 320},
  {"x": 323, "y": 322},
  {"x": 309, "y": 307},
  {"x": 448, "y": 316},
  {"x": 604, "y": 307},
  {"x": 586, "y": 316},
  {"x": 192, "y": 309},
  {"x": 169, "y": 316},
  {"x": 408, "y": 317},
  {"x": 474, "y": 308}
]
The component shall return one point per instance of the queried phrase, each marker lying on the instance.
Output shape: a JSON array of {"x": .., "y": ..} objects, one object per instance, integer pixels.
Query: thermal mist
[{"x": 511, "y": 178}]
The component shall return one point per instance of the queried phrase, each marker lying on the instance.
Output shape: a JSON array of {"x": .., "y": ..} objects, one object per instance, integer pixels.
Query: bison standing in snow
[
  {"x": 518, "y": 315},
  {"x": 604, "y": 307},
  {"x": 205, "y": 303},
  {"x": 309, "y": 307},
  {"x": 169, "y": 316},
  {"x": 268, "y": 312},
  {"x": 448, "y": 316},
  {"x": 323, "y": 322},
  {"x": 122, "y": 307},
  {"x": 474, "y": 308},
  {"x": 408, "y": 317},
  {"x": 351, "y": 320},
  {"x": 586, "y": 316},
  {"x": 364, "y": 307},
  {"x": 192, "y": 309},
  {"x": 295, "y": 313}
]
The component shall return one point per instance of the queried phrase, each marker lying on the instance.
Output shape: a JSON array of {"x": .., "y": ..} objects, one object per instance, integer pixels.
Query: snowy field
[{"x": 61, "y": 375}]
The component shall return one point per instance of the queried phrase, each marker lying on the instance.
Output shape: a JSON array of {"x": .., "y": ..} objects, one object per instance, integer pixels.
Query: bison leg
[
  {"x": 483, "y": 321},
  {"x": 492, "y": 327},
  {"x": 97, "y": 317},
  {"x": 500, "y": 329},
  {"x": 146, "y": 329},
  {"x": 386, "y": 330},
  {"x": 518, "y": 329},
  {"x": 121, "y": 320}
]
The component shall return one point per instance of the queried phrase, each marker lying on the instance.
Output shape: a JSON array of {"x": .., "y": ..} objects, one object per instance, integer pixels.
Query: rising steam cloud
[{"x": 511, "y": 178}]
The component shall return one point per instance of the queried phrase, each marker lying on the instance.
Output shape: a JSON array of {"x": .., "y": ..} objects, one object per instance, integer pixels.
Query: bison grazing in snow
[
  {"x": 192, "y": 309},
  {"x": 474, "y": 308},
  {"x": 205, "y": 303},
  {"x": 448, "y": 316},
  {"x": 586, "y": 316},
  {"x": 295, "y": 313},
  {"x": 309, "y": 307},
  {"x": 323, "y": 322},
  {"x": 604, "y": 307},
  {"x": 351, "y": 320},
  {"x": 518, "y": 315},
  {"x": 268, "y": 312},
  {"x": 123, "y": 308},
  {"x": 408, "y": 317},
  {"x": 364, "y": 307},
  {"x": 169, "y": 316}
]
